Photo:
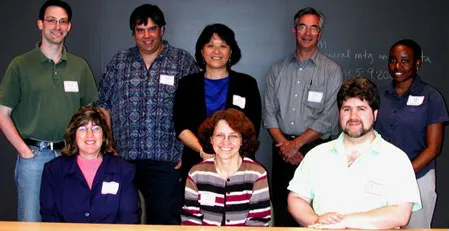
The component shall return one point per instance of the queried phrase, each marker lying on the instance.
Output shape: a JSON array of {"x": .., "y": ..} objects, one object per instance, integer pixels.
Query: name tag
[
  {"x": 71, "y": 86},
  {"x": 374, "y": 188},
  {"x": 167, "y": 80},
  {"x": 315, "y": 96},
  {"x": 415, "y": 100},
  {"x": 239, "y": 101},
  {"x": 109, "y": 188},
  {"x": 207, "y": 199}
]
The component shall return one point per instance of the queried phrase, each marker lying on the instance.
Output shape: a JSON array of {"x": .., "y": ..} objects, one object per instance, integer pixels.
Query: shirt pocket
[{"x": 314, "y": 98}]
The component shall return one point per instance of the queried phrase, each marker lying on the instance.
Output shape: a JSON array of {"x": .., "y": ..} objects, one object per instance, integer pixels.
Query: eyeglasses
[
  {"x": 301, "y": 28},
  {"x": 95, "y": 129},
  {"x": 53, "y": 21},
  {"x": 220, "y": 137}
]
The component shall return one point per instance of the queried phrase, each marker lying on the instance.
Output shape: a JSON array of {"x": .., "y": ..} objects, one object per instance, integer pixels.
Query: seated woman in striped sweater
[{"x": 228, "y": 189}]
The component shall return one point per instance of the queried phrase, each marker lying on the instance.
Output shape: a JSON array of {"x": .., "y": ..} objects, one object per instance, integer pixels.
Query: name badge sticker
[
  {"x": 375, "y": 188},
  {"x": 109, "y": 188},
  {"x": 167, "y": 80},
  {"x": 71, "y": 86},
  {"x": 415, "y": 100},
  {"x": 315, "y": 96},
  {"x": 239, "y": 101},
  {"x": 207, "y": 199}
]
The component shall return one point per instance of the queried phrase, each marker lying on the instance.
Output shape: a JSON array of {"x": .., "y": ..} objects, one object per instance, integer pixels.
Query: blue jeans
[{"x": 28, "y": 176}]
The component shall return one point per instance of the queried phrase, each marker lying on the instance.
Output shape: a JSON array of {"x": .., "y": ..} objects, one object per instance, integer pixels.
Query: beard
[{"x": 359, "y": 133}]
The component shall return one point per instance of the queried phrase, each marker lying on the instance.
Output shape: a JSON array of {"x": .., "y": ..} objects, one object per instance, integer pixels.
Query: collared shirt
[
  {"x": 380, "y": 176},
  {"x": 44, "y": 95},
  {"x": 302, "y": 95},
  {"x": 403, "y": 120},
  {"x": 140, "y": 101}
]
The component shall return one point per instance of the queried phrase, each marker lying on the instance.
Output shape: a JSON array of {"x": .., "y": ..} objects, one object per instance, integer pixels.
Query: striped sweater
[{"x": 242, "y": 199}]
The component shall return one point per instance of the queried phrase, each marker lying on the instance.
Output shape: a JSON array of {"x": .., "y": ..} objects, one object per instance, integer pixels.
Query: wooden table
[{"x": 37, "y": 226}]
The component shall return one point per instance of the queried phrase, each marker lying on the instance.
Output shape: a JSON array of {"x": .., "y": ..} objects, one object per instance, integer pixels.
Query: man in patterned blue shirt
[{"x": 136, "y": 93}]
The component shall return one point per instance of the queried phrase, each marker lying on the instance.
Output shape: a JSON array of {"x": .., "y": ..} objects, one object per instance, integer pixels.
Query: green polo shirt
[{"x": 44, "y": 95}]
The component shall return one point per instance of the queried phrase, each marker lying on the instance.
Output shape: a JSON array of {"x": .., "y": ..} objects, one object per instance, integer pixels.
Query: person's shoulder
[
  {"x": 25, "y": 57},
  {"x": 242, "y": 76},
  {"x": 320, "y": 151},
  {"x": 390, "y": 151},
  {"x": 59, "y": 163},
  {"x": 252, "y": 165},
  {"x": 72, "y": 58},
  {"x": 207, "y": 165},
  {"x": 176, "y": 51},
  {"x": 117, "y": 160}
]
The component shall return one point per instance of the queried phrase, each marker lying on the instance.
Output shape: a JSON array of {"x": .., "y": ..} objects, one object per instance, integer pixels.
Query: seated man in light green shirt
[{"x": 359, "y": 180}]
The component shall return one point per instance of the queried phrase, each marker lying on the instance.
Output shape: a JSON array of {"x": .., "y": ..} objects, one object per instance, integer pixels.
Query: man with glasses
[
  {"x": 39, "y": 93},
  {"x": 300, "y": 106},
  {"x": 137, "y": 95}
]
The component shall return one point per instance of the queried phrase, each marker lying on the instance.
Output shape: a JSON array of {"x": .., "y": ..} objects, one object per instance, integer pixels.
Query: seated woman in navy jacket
[{"x": 87, "y": 184}]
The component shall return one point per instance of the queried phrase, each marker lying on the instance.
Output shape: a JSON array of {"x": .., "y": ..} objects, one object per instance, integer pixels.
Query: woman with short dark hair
[{"x": 215, "y": 88}]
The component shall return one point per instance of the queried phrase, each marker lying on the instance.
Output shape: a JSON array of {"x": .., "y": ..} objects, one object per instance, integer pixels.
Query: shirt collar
[
  {"x": 415, "y": 88},
  {"x": 339, "y": 147},
  {"x": 164, "y": 53},
  {"x": 42, "y": 58},
  {"x": 314, "y": 59}
]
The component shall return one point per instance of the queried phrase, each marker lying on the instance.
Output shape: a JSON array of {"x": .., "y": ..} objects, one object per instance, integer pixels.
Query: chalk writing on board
[{"x": 362, "y": 62}]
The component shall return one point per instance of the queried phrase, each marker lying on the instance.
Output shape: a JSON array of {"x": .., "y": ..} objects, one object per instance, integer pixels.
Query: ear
[
  {"x": 418, "y": 64},
  {"x": 162, "y": 31},
  {"x": 40, "y": 24},
  {"x": 375, "y": 114},
  {"x": 69, "y": 26}
]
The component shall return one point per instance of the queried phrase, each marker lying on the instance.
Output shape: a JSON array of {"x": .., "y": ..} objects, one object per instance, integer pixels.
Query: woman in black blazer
[{"x": 215, "y": 88}]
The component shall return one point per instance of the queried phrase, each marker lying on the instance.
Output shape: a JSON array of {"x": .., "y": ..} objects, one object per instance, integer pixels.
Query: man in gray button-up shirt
[{"x": 300, "y": 105}]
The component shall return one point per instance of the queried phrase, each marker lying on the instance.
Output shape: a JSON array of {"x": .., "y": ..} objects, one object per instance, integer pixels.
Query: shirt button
[
  {"x": 56, "y": 72},
  {"x": 228, "y": 179},
  {"x": 300, "y": 68},
  {"x": 296, "y": 95},
  {"x": 297, "y": 82},
  {"x": 292, "y": 123},
  {"x": 391, "y": 125},
  {"x": 87, "y": 214},
  {"x": 294, "y": 109},
  {"x": 227, "y": 220}
]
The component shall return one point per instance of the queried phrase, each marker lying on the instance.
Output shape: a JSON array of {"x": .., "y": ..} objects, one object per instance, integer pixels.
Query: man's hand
[
  {"x": 206, "y": 156},
  {"x": 295, "y": 159},
  {"x": 287, "y": 148},
  {"x": 178, "y": 165},
  {"x": 329, "y": 218},
  {"x": 27, "y": 155}
]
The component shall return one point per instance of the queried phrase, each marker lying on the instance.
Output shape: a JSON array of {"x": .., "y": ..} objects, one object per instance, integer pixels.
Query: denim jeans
[{"x": 28, "y": 176}]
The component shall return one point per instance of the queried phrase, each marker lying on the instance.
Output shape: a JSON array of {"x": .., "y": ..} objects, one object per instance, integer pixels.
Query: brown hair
[
  {"x": 81, "y": 118},
  {"x": 238, "y": 122}
]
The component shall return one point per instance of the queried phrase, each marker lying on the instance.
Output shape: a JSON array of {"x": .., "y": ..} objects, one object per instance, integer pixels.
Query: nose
[
  {"x": 89, "y": 133},
  {"x": 146, "y": 34}
]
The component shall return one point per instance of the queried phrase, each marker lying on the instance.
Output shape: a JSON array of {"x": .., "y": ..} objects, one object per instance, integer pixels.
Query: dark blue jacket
[{"x": 66, "y": 197}]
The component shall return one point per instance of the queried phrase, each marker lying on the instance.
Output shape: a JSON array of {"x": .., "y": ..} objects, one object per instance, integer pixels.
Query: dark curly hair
[
  {"x": 362, "y": 88},
  {"x": 238, "y": 122},
  {"x": 81, "y": 118},
  {"x": 226, "y": 34},
  {"x": 141, "y": 14}
]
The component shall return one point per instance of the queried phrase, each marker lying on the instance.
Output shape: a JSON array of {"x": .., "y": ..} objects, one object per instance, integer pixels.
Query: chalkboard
[{"x": 357, "y": 35}]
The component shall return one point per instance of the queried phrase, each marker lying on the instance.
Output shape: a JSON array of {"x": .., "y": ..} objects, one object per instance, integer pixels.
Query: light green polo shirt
[
  {"x": 381, "y": 176},
  {"x": 44, "y": 95}
]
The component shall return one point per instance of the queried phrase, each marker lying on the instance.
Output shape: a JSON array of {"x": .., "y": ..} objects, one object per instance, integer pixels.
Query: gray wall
[{"x": 357, "y": 34}]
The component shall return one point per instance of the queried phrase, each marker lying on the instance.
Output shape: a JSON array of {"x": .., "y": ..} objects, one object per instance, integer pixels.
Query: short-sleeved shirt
[
  {"x": 381, "y": 176},
  {"x": 403, "y": 120},
  {"x": 140, "y": 101},
  {"x": 303, "y": 95},
  {"x": 44, "y": 95}
]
